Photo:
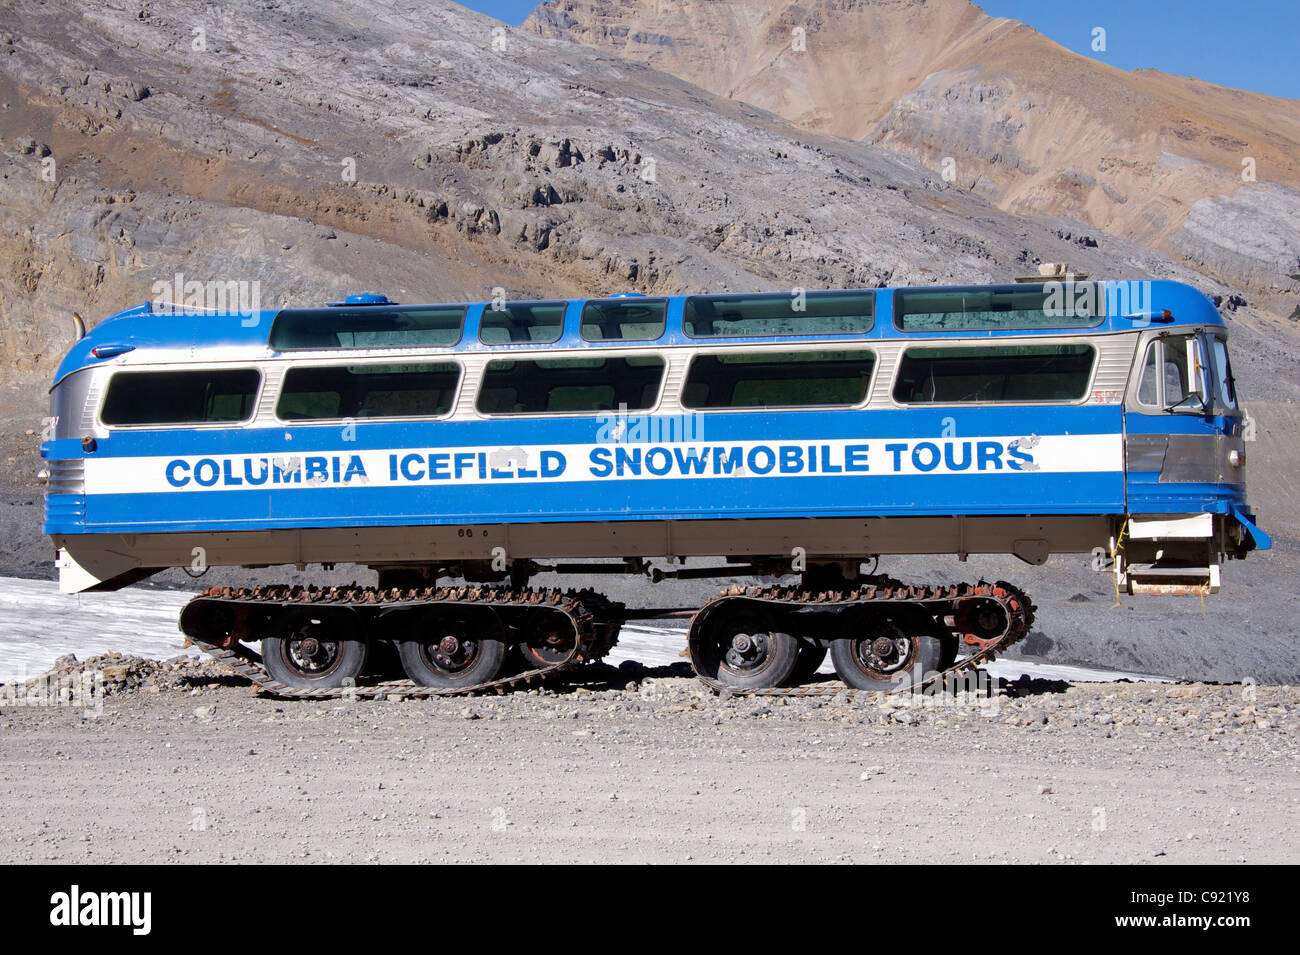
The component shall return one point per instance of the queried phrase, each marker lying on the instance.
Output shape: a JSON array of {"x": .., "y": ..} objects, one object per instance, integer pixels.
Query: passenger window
[
  {"x": 968, "y": 308},
  {"x": 771, "y": 379},
  {"x": 372, "y": 326},
  {"x": 208, "y": 396},
  {"x": 368, "y": 391},
  {"x": 536, "y": 323},
  {"x": 784, "y": 313},
  {"x": 1000, "y": 373},
  {"x": 570, "y": 385},
  {"x": 624, "y": 319}
]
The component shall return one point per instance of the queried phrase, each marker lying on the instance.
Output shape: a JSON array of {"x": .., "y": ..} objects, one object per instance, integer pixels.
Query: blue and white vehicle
[{"x": 802, "y": 432}]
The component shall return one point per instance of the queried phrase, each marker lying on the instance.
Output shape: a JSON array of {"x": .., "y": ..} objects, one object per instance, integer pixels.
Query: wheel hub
[
  {"x": 747, "y": 651},
  {"x": 310, "y": 654},
  {"x": 886, "y": 653},
  {"x": 453, "y": 653}
]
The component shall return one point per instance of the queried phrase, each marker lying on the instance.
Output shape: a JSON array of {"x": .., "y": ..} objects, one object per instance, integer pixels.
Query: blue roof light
[{"x": 363, "y": 298}]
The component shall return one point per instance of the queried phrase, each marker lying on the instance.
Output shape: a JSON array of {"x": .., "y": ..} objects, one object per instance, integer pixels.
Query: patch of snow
[{"x": 38, "y": 625}]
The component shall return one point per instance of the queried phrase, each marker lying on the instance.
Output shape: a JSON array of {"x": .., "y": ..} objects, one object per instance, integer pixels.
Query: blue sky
[{"x": 1249, "y": 44}]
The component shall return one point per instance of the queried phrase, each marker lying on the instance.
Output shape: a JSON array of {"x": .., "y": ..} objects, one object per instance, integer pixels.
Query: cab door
[{"x": 1182, "y": 424}]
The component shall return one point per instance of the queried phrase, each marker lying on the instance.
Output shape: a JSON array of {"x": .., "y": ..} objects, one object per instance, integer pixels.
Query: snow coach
[{"x": 777, "y": 433}]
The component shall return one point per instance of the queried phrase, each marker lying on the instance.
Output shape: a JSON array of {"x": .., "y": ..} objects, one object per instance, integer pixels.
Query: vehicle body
[{"x": 792, "y": 430}]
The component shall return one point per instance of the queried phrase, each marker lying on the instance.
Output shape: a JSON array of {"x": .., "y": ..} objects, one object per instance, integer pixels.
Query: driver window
[{"x": 1174, "y": 369}]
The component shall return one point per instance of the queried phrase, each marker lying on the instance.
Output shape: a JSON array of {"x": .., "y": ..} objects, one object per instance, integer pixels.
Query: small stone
[{"x": 907, "y": 717}]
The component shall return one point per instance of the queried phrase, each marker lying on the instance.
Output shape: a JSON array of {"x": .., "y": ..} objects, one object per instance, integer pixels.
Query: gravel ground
[{"x": 181, "y": 762}]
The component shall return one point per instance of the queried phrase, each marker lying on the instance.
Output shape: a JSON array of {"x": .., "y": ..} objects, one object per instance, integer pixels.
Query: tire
[
  {"x": 768, "y": 660},
  {"x": 810, "y": 660},
  {"x": 453, "y": 648},
  {"x": 314, "y": 650},
  {"x": 908, "y": 661}
]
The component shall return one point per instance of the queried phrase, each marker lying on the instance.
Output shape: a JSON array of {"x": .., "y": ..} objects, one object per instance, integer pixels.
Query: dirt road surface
[{"x": 182, "y": 764}]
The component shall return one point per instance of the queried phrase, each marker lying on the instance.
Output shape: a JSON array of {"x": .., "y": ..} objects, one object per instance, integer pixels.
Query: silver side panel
[
  {"x": 100, "y": 558},
  {"x": 67, "y": 477},
  {"x": 1145, "y": 452},
  {"x": 1201, "y": 458},
  {"x": 74, "y": 402}
]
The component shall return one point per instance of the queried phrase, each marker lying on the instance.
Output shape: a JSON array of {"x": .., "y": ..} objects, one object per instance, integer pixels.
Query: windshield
[{"x": 1225, "y": 389}]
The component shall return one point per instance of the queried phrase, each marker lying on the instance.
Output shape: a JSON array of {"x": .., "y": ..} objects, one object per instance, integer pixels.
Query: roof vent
[{"x": 363, "y": 298}]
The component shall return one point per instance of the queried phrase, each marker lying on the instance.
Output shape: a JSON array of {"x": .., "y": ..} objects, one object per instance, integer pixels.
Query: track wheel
[
  {"x": 885, "y": 657},
  {"x": 453, "y": 647},
  {"x": 315, "y": 649},
  {"x": 742, "y": 648},
  {"x": 548, "y": 640}
]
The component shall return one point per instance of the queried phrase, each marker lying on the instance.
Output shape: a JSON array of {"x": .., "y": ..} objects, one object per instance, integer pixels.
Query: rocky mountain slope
[
  {"x": 1033, "y": 127},
  {"x": 431, "y": 152}
]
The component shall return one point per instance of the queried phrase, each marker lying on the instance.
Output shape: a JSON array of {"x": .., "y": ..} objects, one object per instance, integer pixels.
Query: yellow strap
[{"x": 1114, "y": 556}]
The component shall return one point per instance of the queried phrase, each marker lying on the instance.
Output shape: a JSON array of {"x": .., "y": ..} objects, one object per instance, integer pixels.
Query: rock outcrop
[
  {"x": 433, "y": 153},
  {"x": 999, "y": 108}
]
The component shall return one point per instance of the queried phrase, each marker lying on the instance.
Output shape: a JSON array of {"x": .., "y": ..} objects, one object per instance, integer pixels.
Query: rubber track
[
  {"x": 1020, "y": 617},
  {"x": 597, "y": 634}
]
